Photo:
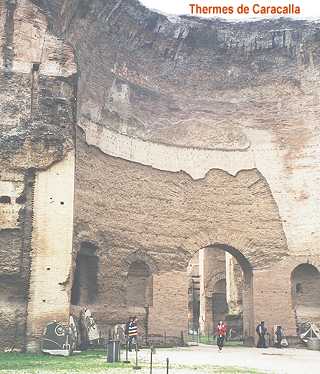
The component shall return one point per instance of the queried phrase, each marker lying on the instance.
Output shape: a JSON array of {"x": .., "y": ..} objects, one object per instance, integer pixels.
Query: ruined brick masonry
[{"x": 130, "y": 141}]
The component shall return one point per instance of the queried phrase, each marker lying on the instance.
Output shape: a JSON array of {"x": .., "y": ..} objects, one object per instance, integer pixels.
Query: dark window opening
[{"x": 5, "y": 200}]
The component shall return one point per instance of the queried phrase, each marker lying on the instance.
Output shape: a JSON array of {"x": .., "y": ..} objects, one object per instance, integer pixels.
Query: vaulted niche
[
  {"x": 84, "y": 289},
  {"x": 139, "y": 284},
  {"x": 305, "y": 290}
]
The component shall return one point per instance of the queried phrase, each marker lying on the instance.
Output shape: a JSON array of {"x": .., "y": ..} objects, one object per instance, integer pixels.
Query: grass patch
[
  {"x": 84, "y": 362},
  {"x": 94, "y": 362}
]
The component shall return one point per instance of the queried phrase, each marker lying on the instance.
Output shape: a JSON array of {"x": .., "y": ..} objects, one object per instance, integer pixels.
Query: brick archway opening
[{"x": 220, "y": 287}]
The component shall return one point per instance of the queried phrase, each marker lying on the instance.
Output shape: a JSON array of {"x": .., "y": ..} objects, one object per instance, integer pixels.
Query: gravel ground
[{"x": 202, "y": 358}]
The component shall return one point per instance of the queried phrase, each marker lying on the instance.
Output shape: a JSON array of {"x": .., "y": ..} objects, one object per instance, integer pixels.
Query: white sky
[{"x": 309, "y": 8}]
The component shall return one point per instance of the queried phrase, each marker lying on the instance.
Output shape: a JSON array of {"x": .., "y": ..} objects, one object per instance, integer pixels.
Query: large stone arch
[{"x": 236, "y": 243}]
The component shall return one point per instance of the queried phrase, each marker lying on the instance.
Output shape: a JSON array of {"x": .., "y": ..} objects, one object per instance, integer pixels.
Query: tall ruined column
[
  {"x": 211, "y": 270},
  {"x": 234, "y": 282},
  {"x": 37, "y": 155},
  {"x": 49, "y": 296}
]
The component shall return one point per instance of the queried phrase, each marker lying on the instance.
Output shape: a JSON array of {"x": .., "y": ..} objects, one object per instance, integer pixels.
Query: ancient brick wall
[{"x": 168, "y": 315}]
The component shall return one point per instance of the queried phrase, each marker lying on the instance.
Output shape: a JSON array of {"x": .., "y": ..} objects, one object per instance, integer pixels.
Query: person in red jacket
[{"x": 221, "y": 332}]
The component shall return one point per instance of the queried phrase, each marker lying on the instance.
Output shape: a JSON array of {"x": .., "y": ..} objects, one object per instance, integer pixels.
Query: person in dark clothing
[
  {"x": 279, "y": 336},
  {"x": 261, "y": 331},
  {"x": 221, "y": 334},
  {"x": 133, "y": 333}
]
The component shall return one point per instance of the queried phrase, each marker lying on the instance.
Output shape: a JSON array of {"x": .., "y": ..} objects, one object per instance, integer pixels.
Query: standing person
[
  {"x": 133, "y": 333},
  {"x": 221, "y": 334},
  {"x": 278, "y": 335},
  {"x": 280, "y": 338},
  {"x": 261, "y": 331}
]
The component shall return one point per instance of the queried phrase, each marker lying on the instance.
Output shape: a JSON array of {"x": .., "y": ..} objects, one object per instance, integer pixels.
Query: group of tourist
[{"x": 279, "y": 337}]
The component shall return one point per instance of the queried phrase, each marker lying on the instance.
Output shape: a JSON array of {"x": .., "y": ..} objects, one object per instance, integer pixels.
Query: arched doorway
[{"x": 305, "y": 291}]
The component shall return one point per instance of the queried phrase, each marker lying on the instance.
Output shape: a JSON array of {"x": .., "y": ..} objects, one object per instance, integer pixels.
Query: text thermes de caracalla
[{"x": 256, "y": 9}]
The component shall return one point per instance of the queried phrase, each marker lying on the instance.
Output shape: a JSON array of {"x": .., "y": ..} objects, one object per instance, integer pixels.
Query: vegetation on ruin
[{"x": 94, "y": 362}]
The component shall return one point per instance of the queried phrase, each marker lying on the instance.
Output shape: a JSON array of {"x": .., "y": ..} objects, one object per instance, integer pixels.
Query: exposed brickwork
[{"x": 170, "y": 291}]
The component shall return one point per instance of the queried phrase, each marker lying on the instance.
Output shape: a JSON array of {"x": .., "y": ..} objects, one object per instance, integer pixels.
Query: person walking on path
[
  {"x": 133, "y": 333},
  {"x": 221, "y": 334},
  {"x": 261, "y": 331}
]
